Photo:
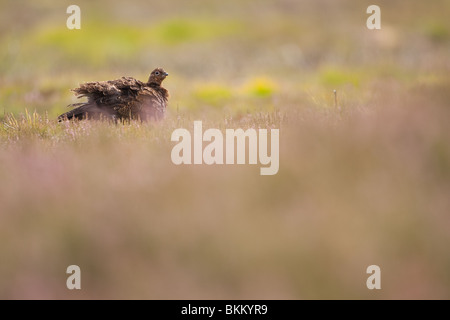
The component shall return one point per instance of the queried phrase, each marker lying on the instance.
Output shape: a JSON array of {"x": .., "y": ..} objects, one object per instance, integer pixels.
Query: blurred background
[
  {"x": 217, "y": 54},
  {"x": 364, "y": 179}
]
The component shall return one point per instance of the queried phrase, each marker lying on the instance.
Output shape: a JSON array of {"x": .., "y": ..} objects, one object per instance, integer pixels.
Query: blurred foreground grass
[
  {"x": 364, "y": 182},
  {"x": 356, "y": 187}
]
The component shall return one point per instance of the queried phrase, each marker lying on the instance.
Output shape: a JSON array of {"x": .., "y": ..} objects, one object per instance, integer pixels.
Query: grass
[
  {"x": 365, "y": 183},
  {"x": 355, "y": 187}
]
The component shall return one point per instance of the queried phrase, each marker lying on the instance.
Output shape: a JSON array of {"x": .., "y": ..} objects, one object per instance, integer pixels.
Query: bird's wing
[
  {"x": 150, "y": 103},
  {"x": 127, "y": 84},
  {"x": 159, "y": 94},
  {"x": 114, "y": 92}
]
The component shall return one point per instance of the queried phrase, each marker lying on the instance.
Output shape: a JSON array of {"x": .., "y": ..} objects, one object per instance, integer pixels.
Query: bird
[{"x": 121, "y": 99}]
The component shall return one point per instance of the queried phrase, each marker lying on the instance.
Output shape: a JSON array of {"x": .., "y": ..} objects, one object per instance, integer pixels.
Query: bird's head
[{"x": 157, "y": 76}]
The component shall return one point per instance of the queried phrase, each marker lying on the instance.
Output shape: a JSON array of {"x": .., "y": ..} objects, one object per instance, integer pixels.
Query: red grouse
[{"x": 124, "y": 98}]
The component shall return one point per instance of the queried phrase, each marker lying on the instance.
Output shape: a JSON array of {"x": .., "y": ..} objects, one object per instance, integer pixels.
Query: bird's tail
[{"x": 83, "y": 111}]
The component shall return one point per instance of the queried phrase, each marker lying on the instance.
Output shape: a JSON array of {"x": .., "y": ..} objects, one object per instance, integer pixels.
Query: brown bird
[{"x": 124, "y": 98}]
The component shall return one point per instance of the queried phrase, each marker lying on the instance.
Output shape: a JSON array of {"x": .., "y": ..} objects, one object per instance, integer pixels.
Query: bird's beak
[{"x": 166, "y": 74}]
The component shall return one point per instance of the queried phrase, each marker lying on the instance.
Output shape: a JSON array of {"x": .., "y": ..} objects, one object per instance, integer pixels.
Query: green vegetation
[
  {"x": 334, "y": 77},
  {"x": 437, "y": 31},
  {"x": 260, "y": 87},
  {"x": 213, "y": 94}
]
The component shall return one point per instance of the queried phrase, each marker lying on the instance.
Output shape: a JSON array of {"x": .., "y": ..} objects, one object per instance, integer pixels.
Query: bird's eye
[{"x": 157, "y": 73}]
